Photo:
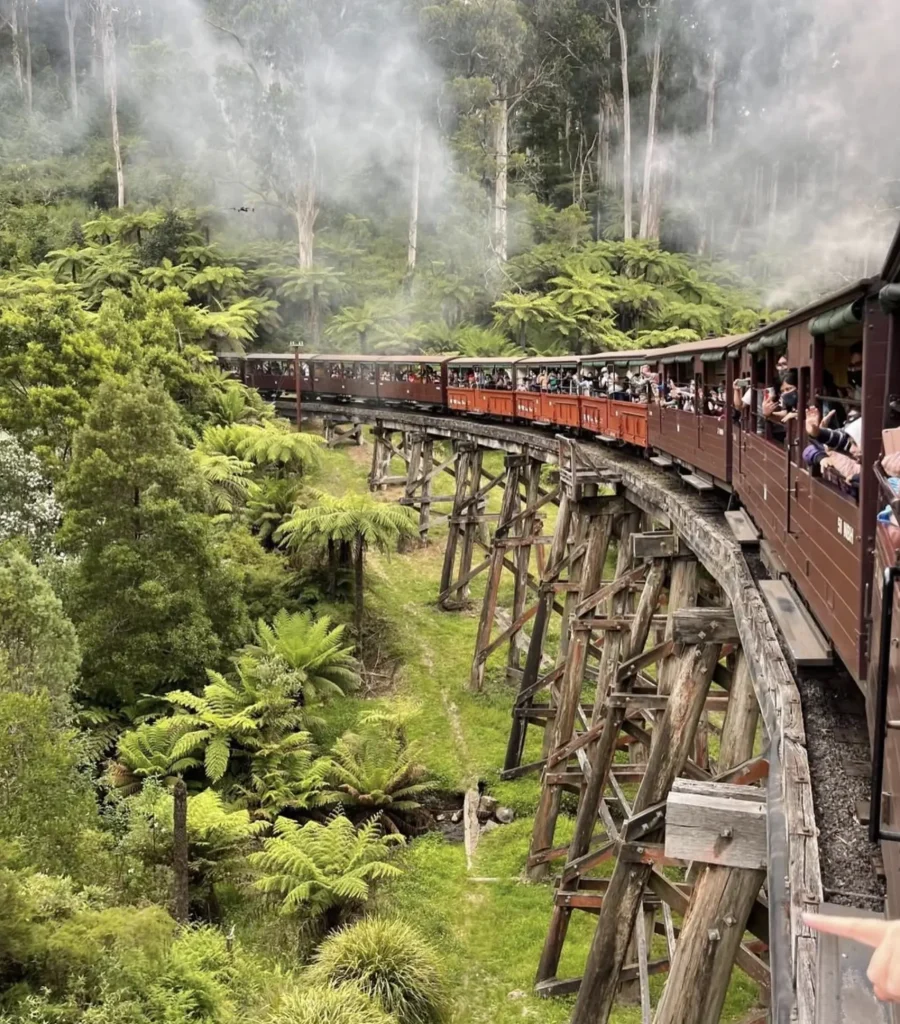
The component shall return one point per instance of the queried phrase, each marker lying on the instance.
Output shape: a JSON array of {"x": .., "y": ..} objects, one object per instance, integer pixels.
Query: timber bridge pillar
[{"x": 634, "y": 659}]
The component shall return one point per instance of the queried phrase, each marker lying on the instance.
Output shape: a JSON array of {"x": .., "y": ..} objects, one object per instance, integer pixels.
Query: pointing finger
[{"x": 868, "y": 931}]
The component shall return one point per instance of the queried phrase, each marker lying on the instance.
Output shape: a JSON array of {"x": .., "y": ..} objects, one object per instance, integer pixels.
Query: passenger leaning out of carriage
[{"x": 834, "y": 454}]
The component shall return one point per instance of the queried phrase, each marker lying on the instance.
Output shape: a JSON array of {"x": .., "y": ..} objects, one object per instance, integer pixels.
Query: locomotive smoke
[{"x": 805, "y": 138}]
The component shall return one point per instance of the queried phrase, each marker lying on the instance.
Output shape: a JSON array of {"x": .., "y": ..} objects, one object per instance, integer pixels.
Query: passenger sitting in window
[{"x": 834, "y": 454}]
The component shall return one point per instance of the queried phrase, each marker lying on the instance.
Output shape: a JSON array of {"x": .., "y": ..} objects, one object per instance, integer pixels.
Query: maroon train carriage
[
  {"x": 270, "y": 373},
  {"x": 820, "y": 527},
  {"x": 883, "y": 681},
  {"x": 344, "y": 377},
  {"x": 419, "y": 380},
  {"x": 483, "y": 387}
]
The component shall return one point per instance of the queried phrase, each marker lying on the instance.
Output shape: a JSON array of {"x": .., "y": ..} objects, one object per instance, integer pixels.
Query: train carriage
[
  {"x": 269, "y": 372},
  {"x": 690, "y": 416},
  {"x": 418, "y": 380},
  {"x": 883, "y": 681},
  {"x": 547, "y": 390},
  {"x": 627, "y": 417},
  {"x": 819, "y": 526},
  {"x": 484, "y": 386}
]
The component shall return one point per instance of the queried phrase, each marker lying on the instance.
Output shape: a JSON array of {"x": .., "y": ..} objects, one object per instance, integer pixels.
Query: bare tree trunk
[
  {"x": 359, "y": 555},
  {"x": 29, "y": 87},
  {"x": 499, "y": 233},
  {"x": 181, "y": 892},
  {"x": 602, "y": 160},
  {"x": 626, "y": 120},
  {"x": 111, "y": 82},
  {"x": 306, "y": 213},
  {"x": 707, "y": 240},
  {"x": 413, "y": 246},
  {"x": 647, "y": 193},
  {"x": 71, "y": 13},
  {"x": 9, "y": 16}
]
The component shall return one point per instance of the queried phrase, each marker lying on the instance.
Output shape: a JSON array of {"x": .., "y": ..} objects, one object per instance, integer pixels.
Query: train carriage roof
[
  {"x": 567, "y": 360},
  {"x": 488, "y": 360},
  {"x": 276, "y": 355},
  {"x": 420, "y": 359},
  {"x": 710, "y": 350}
]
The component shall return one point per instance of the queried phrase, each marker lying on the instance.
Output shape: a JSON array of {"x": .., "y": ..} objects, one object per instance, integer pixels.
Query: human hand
[
  {"x": 769, "y": 406},
  {"x": 882, "y": 936}
]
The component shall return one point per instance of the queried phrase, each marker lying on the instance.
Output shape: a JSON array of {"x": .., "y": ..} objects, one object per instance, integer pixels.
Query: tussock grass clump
[
  {"x": 323, "y": 1005},
  {"x": 390, "y": 962}
]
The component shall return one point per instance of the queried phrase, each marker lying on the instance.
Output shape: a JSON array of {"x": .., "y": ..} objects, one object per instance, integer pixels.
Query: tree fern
[
  {"x": 314, "y": 869},
  {"x": 146, "y": 752},
  {"x": 377, "y": 774}
]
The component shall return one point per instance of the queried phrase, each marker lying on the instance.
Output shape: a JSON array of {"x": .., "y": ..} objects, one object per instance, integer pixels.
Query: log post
[
  {"x": 741, "y": 718},
  {"x": 508, "y": 511},
  {"x": 531, "y": 671},
  {"x": 529, "y": 526},
  {"x": 468, "y": 473},
  {"x": 425, "y": 497},
  {"x": 569, "y": 693},
  {"x": 624, "y": 895}
]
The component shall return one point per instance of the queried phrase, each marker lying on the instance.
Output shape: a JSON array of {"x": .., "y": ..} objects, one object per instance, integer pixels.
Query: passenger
[{"x": 853, "y": 391}]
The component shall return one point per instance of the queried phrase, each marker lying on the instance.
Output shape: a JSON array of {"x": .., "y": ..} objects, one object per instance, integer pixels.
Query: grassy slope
[{"x": 491, "y": 931}]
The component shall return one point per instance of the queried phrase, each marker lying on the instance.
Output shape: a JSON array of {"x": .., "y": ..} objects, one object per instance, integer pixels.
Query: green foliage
[
  {"x": 314, "y": 870},
  {"x": 272, "y": 449},
  {"x": 390, "y": 962},
  {"x": 352, "y": 519},
  {"x": 149, "y": 595},
  {"x": 38, "y": 645},
  {"x": 326, "y": 1005},
  {"x": 377, "y": 774},
  {"x": 46, "y": 802}
]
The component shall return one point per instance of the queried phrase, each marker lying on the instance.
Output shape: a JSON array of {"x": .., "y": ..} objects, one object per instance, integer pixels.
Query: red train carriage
[
  {"x": 594, "y": 405},
  {"x": 628, "y": 404},
  {"x": 547, "y": 390},
  {"x": 690, "y": 416},
  {"x": 483, "y": 387}
]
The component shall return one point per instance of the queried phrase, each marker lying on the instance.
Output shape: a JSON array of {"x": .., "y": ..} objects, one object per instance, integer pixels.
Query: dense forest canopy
[
  {"x": 397, "y": 163},
  {"x": 212, "y": 761}
]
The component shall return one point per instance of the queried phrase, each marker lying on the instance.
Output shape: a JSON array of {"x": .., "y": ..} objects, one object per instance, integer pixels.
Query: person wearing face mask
[{"x": 854, "y": 374}]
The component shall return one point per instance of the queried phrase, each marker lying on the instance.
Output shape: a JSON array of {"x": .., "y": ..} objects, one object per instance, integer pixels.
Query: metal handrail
[{"x": 879, "y": 739}]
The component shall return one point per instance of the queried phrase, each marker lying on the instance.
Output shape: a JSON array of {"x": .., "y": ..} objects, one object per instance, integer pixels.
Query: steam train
[{"x": 839, "y": 546}]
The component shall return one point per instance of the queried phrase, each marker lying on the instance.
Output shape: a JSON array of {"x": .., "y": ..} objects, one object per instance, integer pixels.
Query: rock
[
  {"x": 516, "y": 994},
  {"x": 456, "y": 817},
  {"x": 489, "y": 826},
  {"x": 505, "y": 815},
  {"x": 487, "y": 807},
  {"x": 441, "y": 817}
]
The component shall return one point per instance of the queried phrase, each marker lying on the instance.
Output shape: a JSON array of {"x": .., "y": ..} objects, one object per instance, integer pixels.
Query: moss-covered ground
[{"x": 488, "y": 922}]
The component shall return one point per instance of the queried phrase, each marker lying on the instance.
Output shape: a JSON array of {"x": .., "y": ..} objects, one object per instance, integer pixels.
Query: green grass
[{"x": 490, "y": 933}]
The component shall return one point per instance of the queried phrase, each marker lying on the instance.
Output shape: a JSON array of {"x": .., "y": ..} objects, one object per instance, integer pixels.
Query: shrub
[
  {"x": 390, "y": 962},
  {"x": 342, "y": 1005}
]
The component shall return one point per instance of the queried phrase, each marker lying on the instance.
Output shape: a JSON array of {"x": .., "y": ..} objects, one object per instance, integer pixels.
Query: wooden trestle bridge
[{"x": 645, "y": 653}]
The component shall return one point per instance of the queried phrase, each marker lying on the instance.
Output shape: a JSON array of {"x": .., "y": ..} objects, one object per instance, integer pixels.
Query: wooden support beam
[
  {"x": 610, "y": 590},
  {"x": 656, "y": 544},
  {"x": 599, "y": 530},
  {"x": 704, "y": 626},
  {"x": 717, "y": 823},
  {"x": 672, "y": 743}
]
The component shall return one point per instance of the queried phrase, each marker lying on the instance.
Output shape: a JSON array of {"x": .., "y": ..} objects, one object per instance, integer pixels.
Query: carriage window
[
  {"x": 713, "y": 389},
  {"x": 833, "y": 422}
]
